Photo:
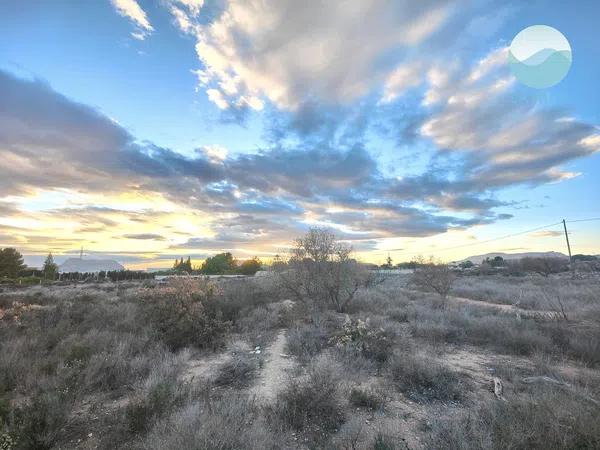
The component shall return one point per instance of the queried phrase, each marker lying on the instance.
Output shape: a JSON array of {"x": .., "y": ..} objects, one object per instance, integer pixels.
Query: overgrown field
[{"x": 237, "y": 364}]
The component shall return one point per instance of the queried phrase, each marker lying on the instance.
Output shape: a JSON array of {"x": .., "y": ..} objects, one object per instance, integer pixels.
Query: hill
[
  {"x": 89, "y": 265},
  {"x": 477, "y": 259}
]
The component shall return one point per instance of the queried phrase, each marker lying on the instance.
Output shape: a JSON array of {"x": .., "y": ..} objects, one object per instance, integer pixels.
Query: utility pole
[
  {"x": 569, "y": 248},
  {"x": 567, "y": 237}
]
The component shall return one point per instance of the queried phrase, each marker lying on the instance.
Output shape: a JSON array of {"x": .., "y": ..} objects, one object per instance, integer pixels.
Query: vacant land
[{"x": 501, "y": 362}]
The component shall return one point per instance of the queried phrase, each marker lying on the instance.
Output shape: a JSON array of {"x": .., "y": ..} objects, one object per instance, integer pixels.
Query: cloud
[
  {"x": 546, "y": 233},
  {"x": 315, "y": 170},
  {"x": 507, "y": 138},
  {"x": 132, "y": 10},
  {"x": 78, "y": 147},
  {"x": 289, "y": 51},
  {"x": 145, "y": 236}
]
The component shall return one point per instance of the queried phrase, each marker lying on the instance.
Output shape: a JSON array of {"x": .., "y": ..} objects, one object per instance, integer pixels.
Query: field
[{"x": 502, "y": 362}]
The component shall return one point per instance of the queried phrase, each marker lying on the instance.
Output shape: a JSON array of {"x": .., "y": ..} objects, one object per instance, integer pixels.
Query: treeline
[
  {"x": 12, "y": 267},
  {"x": 112, "y": 275},
  {"x": 220, "y": 264}
]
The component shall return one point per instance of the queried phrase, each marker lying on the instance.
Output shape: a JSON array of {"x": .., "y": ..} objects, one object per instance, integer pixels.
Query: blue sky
[{"x": 143, "y": 130}]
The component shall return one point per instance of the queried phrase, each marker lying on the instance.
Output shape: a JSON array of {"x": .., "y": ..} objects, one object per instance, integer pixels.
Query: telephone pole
[
  {"x": 567, "y": 237},
  {"x": 569, "y": 248}
]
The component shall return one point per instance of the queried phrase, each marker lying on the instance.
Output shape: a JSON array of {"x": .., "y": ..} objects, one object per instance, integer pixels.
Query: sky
[{"x": 147, "y": 130}]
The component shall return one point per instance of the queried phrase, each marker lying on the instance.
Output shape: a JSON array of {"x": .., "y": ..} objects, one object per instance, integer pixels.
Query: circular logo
[{"x": 540, "y": 56}]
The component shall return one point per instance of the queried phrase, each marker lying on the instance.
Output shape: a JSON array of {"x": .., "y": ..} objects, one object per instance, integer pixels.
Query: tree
[
  {"x": 319, "y": 269},
  {"x": 388, "y": 263},
  {"x": 434, "y": 276},
  {"x": 181, "y": 266},
  {"x": 466, "y": 264},
  {"x": 497, "y": 261},
  {"x": 250, "y": 266},
  {"x": 11, "y": 262},
  {"x": 219, "y": 264},
  {"x": 545, "y": 266},
  {"x": 50, "y": 268}
]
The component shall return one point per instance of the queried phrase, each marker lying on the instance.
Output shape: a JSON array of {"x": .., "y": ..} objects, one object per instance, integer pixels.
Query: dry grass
[{"x": 100, "y": 359}]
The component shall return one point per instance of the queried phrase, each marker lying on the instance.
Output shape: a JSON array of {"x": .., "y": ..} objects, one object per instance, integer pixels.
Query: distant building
[{"x": 89, "y": 265}]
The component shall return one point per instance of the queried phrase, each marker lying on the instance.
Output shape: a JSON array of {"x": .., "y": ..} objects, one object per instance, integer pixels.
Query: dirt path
[
  {"x": 504, "y": 308},
  {"x": 204, "y": 368},
  {"x": 507, "y": 309},
  {"x": 274, "y": 374}
]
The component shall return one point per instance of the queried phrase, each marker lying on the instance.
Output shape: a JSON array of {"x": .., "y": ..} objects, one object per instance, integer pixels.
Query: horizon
[{"x": 146, "y": 131}]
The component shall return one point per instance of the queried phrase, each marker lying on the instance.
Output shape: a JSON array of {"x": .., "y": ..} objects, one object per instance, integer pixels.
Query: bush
[
  {"x": 541, "y": 419},
  {"x": 307, "y": 342},
  {"x": 435, "y": 277},
  {"x": 250, "y": 266},
  {"x": 238, "y": 372},
  {"x": 143, "y": 412},
  {"x": 367, "y": 398},
  {"x": 157, "y": 395},
  {"x": 38, "y": 423},
  {"x": 374, "y": 343},
  {"x": 186, "y": 313},
  {"x": 320, "y": 270},
  {"x": 313, "y": 402},
  {"x": 545, "y": 266},
  {"x": 231, "y": 422},
  {"x": 424, "y": 379}
]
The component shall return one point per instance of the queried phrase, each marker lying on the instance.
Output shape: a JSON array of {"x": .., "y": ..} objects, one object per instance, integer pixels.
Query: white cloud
[
  {"x": 506, "y": 140},
  {"x": 215, "y": 153},
  {"x": 288, "y": 51},
  {"x": 132, "y": 10},
  {"x": 401, "y": 79},
  {"x": 185, "y": 13},
  {"x": 217, "y": 97}
]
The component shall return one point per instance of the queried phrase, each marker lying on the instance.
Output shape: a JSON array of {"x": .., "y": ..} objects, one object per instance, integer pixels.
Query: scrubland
[{"x": 239, "y": 363}]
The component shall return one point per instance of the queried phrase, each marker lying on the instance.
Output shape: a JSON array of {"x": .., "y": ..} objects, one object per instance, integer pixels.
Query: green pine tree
[{"x": 50, "y": 268}]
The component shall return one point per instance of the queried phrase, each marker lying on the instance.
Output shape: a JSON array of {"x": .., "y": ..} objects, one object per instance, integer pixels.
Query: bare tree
[
  {"x": 320, "y": 269},
  {"x": 545, "y": 266},
  {"x": 433, "y": 276}
]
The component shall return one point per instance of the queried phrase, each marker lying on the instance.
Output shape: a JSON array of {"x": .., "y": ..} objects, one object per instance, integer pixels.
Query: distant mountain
[
  {"x": 89, "y": 265},
  {"x": 477, "y": 259}
]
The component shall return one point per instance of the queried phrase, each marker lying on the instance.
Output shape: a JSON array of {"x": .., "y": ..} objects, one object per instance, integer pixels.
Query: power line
[
  {"x": 583, "y": 220},
  {"x": 500, "y": 237},
  {"x": 487, "y": 240}
]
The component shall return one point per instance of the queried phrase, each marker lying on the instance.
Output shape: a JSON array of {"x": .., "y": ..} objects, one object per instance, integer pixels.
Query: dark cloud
[{"x": 145, "y": 236}]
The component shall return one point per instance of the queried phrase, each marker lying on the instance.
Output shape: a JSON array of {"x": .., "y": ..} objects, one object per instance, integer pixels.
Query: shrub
[
  {"x": 433, "y": 276},
  {"x": 386, "y": 442},
  {"x": 307, "y": 342},
  {"x": 543, "y": 418},
  {"x": 374, "y": 343},
  {"x": 367, "y": 398},
  {"x": 185, "y": 313},
  {"x": 545, "y": 266},
  {"x": 238, "y": 372},
  {"x": 157, "y": 395},
  {"x": 321, "y": 270},
  {"x": 314, "y": 401},
  {"x": 231, "y": 422},
  {"x": 250, "y": 266},
  {"x": 39, "y": 422},
  {"x": 423, "y": 379},
  {"x": 143, "y": 412}
]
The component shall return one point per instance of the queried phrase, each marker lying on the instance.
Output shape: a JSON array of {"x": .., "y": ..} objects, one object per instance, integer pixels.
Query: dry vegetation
[{"x": 238, "y": 364}]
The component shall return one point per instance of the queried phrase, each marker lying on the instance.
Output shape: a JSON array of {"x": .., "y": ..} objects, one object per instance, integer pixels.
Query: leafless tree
[
  {"x": 545, "y": 266},
  {"x": 433, "y": 276},
  {"x": 319, "y": 268}
]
